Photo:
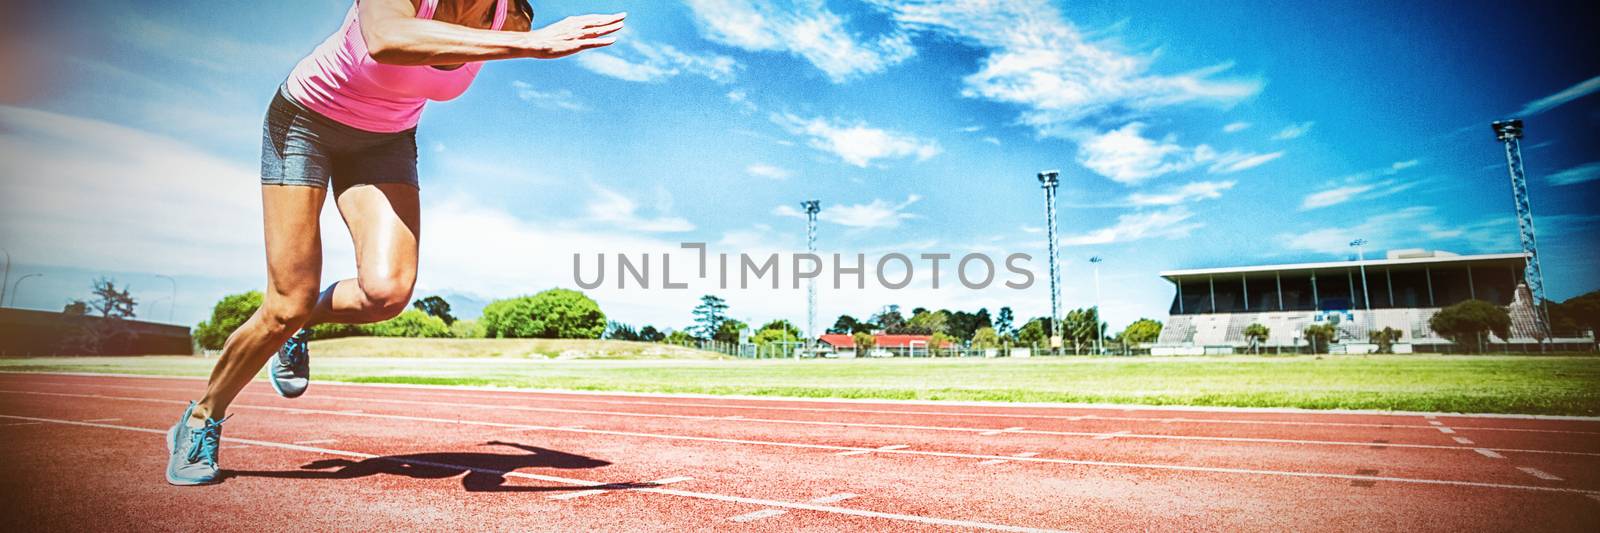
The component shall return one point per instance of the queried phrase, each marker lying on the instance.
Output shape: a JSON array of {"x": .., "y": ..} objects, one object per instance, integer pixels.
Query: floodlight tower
[
  {"x": 1048, "y": 181},
  {"x": 812, "y": 207},
  {"x": 1510, "y": 133},
  {"x": 1099, "y": 331}
]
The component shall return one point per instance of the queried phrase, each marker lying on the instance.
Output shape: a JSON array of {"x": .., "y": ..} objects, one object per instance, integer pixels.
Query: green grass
[
  {"x": 518, "y": 348},
  {"x": 1563, "y": 385}
]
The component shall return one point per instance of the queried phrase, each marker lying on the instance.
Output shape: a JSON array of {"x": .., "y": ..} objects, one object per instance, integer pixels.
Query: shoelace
[
  {"x": 205, "y": 442},
  {"x": 295, "y": 348}
]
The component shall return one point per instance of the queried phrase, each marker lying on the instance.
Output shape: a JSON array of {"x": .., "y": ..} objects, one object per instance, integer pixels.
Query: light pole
[
  {"x": 5, "y": 279},
  {"x": 18, "y": 284},
  {"x": 1048, "y": 181},
  {"x": 1361, "y": 258},
  {"x": 812, "y": 208},
  {"x": 1510, "y": 133},
  {"x": 1099, "y": 331},
  {"x": 174, "y": 302}
]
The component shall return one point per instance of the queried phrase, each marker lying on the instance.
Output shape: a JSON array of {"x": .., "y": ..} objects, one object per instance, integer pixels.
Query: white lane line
[
  {"x": 994, "y": 432},
  {"x": 20, "y": 424},
  {"x": 801, "y": 445},
  {"x": 928, "y": 520},
  {"x": 1102, "y": 436},
  {"x": 317, "y": 441},
  {"x": 757, "y": 515},
  {"x": 1023, "y": 455},
  {"x": 446, "y": 393},
  {"x": 1538, "y": 473},
  {"x": 1436, "y": 422},
  {"x": 857, "y": 451},
  {"x": 103, "y": 420},
  {"x": 1446, "y": 430},
  {"x": 1489, "y": 453},
  {"x": 1595, "y": 497},
  {"x": 768, "y": 513},
  {"x": 577, "y": 494},
  {"x": 1430, "y": 417},
  {"x": 1463, "y": 440}
]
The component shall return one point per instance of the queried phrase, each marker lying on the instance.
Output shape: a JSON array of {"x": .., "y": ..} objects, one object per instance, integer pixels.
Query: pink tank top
[{"x": 341, "y": 81}]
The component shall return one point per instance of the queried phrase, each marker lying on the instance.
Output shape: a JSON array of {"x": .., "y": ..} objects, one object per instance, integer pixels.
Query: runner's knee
[
  {"x": 387, "y": 295},
  {"x": 286, "y": 312}
]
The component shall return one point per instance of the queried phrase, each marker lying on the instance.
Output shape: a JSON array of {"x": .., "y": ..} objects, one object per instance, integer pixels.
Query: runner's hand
[{"x": 574, "y": 34}]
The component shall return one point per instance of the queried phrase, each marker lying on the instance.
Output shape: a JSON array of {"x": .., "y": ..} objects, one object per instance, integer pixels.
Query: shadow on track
[{"x": 485, "y": 472}]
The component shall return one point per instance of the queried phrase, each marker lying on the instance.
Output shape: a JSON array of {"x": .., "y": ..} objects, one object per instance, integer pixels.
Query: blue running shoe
[
  {"x": 290, "y": 368},
  {"x": 192, "y": 452}
]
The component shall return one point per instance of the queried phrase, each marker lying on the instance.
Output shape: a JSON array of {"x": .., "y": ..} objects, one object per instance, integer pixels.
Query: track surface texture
[{"x": 86, "y": 453}]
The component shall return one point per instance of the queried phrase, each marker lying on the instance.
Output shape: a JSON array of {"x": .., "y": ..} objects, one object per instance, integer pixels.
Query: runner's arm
[{"x": 395, "y": 36}]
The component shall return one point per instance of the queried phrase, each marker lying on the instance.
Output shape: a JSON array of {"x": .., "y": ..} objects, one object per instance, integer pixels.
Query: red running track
[{"x": 86, "y": 453}]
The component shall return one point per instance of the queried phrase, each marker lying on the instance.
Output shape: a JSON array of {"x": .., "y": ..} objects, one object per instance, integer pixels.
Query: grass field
[{"x": 1563, "y": 385}]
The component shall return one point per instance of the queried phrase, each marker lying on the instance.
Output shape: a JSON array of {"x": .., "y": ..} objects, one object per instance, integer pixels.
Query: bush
[
  {"x": 467, "y": 329},
  {"x": 552, "y": 314},
  {"x": 1319, "y": 335},
  {"x": 985, "y": 338},
  {"x": 412, "y": 323},
  {"x": 229, "y": 313}
]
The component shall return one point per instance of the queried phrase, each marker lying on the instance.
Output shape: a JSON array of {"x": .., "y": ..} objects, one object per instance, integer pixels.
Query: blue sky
[{"x": 1188, "y": 136}]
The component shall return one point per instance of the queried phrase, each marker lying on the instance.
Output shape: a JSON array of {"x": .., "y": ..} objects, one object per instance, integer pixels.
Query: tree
[
  {"x": 1319, "y": 335},
  {"x": 927, "y": 322},
  {"x": 985, "y": 338},
  {"x": 1141, "y": 331},
  {"x": 730, "y": 331},
  {"x": 1002, "y": 323},
  {"x": 412, "y": 323},
  {"x": 1466, "y": 322},
  {"x": 621, "y": 332},
  {"x": 435, "y": 306},
  {"x": 890, "y": 320},
  {"x": 651, "y": 334},
  {"x": 845, "y": 325},
  {"x": 1257, "y": 334},
  {"x": 680, "y": 338},
  {"x": 709, "y": 316},
  {"x": 552, "y": 314},
  {"x": 961, "y": 324},
  {"x": 864, "y": 342},
  {"x": 110, "y": 302},
  {"x": 1385, "y": 339},
  {"x": 227, "y": 315},
  {"x": 938, "y": 342},
  {"x": 76, "y": 308},
  {"x": 1081, "y": 327},
  {"x": 1035, "y": 333}
]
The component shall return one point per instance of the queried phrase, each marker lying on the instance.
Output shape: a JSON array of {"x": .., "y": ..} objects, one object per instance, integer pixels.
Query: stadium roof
[{"x": 1515, "y": 258}]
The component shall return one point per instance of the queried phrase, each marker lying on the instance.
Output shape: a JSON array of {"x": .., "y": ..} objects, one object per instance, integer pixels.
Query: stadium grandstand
[{"x": 1213, "y": 306}]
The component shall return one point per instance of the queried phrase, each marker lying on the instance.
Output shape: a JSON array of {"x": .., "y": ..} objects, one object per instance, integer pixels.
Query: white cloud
[
  {"x": 648, "y": 62},
  {"x": 1334, "y": 196},
  {"x": 1363, "y": 185},
  {"x": 1039, "y": 60},
  {"x": 855, "y": 142},
  {"x": 1582, "y": 89},
  {"x": 877, "y": 214},
  {"x": 621, "y": 211},
  {"x": 1409, "y": 227},
  {"x": 741, "y": 98},
  {"x": 768, "y": 171},
  {"x": 86, "y": 193},
  {"x": 562, "y": 99},
  {"x": 1294, "y": 131},
  {"x": 1577, "y": 174},
  {"x": 1171, "y": 223},
  {"x": 1235, "y": 127},
  {"x": 991, "y": 140},
  {"x": 1125, "y": 155},
  {"x": 805, "y": 29},
  {"x": 1200, "y": 190}
]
